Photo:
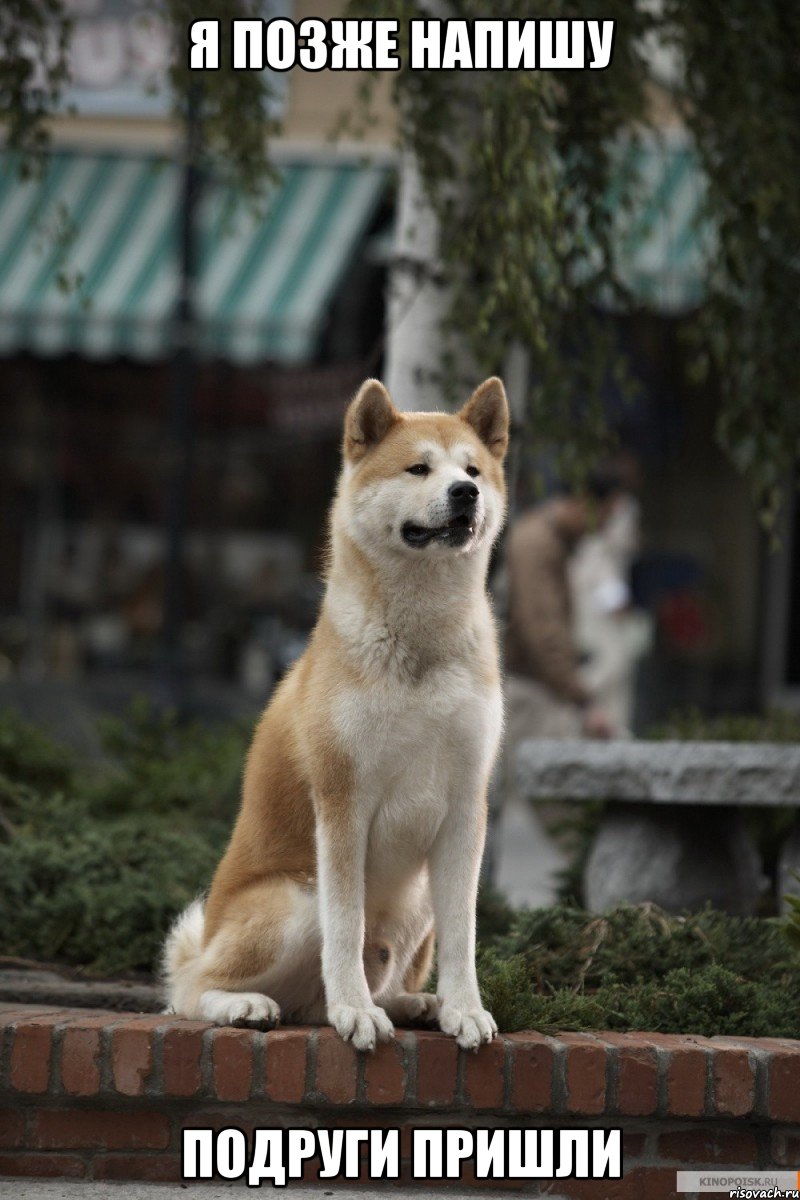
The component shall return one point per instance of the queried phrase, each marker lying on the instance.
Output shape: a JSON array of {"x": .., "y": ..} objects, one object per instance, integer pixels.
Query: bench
[{"x": 672, "y": 831}]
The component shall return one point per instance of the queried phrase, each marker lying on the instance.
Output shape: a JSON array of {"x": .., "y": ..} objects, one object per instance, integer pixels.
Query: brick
[
  {"x": 310, "y": 1168},
  {"x": 643, "y": 1183},
  {"x": 655, "y": 1183},
  {"x": 84, "y": 1129},
  {"x": 484, "y": 1082},
  {"x": 784, "y": 1085},
  {"x": 31, "y": 1054},
  {"x": 627, "y": 1188},
  {"x": 232, "y": 1063},
  {"x": 220, "y": 1119},
  {"x": 532, "y": 1060},
  {"x": 385, "y": 1073},
  {"x": 770, "y": 1044},
  {"x": 337, "y": 1068},
  {"x": 42, "y": 1166},
  {"x": 89, "y": 1019},
  {"x": 437, "y": 1064},
  {"x": 710, "y": 1146},
  {"x": 375, "y": 1122},
  {"x": 407, "y": 1140},
  {"x": 182, "y": 1054},
  {"x": 724, "y": 1042},
  {"x": 785, "y": 1148},
  {"x": 687, "y": 1060},
  {"x": 152, "y": 1168},
  {"x": 687, "y": 1070},
  {"x": 12, "y": 1128},
  {"x": 637, "y": 1074},
  {"x": 131, "y": 1058},
  {"x": 79, "y": 1018},
  {"x": 734, "y": 1083},
  {"x": 285, "y": 1078},
  {"x": 80, "y": 1061},
  {"x": 585, "y": 1074},
  {"x": 633, "y": 1145},
  {"x": 11, "y": 1013},
  {"x": 311, "y": 1171},
  {"x": 470, "y": 1180}
]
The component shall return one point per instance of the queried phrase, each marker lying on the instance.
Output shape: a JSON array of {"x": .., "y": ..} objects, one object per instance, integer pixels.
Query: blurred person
[
  {"x": 611, "y": 634},
  {"x": 547, "y": 695}
]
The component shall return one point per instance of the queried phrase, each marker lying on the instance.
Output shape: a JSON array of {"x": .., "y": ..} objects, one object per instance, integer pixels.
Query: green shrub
[
  {"x": 710, "y": 1002},
  {"x": 495, "y": 915},
  {"x": 95, "y": 863},
  {"x": 637, "y": 968},
  {"x": 30, "y": 756},
  {"x": 792, "y": 923},
  {"x": 691, "y": 725},
  {"x": 96, "y": 860},
  {"x": 160, "y": 765},
  {"x": 100, "y": 894},
  {"x": 567, "y": 947}
]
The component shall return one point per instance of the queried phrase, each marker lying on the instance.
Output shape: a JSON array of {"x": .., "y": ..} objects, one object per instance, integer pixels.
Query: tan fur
[
  {"x": 304, "y": 771},
  {"x": 417, "y": 974}
]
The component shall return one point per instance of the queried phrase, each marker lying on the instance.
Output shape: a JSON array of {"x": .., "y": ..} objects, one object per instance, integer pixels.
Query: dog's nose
[{"x": 462, "y": 494}]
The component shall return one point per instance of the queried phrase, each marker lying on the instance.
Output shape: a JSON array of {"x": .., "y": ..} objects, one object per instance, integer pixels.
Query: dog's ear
[
  {"x": 487, "y": 412},
  {"x": 369, "y": 418}
]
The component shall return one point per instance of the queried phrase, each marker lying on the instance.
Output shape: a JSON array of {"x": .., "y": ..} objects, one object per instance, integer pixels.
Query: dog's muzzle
[{"x": 462, "y": 498}]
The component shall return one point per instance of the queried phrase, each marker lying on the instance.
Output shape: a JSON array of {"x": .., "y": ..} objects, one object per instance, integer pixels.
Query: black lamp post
[{"x": 182, "y": 384}]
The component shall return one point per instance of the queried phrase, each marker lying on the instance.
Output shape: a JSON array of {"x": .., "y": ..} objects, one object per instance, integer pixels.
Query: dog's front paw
[
  {"x": 413, "y": 1006},
  {"x": 361, "y": 1026},
  {"x": 249, "y": 1009},
  {"x": 468, "y": 1025}
]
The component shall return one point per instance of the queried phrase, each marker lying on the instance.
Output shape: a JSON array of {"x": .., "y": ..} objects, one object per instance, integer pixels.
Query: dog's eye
[
  {"x": 419, "y": 469},
  {"x": 472, "y": 471}
]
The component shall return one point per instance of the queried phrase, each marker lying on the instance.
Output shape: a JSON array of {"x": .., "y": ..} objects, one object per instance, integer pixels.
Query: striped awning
[
  {"x": 663, "y": 245},
  {"x": 89, "y": 257}
]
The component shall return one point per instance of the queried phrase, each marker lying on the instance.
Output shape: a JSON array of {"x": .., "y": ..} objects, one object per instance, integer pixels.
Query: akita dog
[{"x": 363, "y": 814}]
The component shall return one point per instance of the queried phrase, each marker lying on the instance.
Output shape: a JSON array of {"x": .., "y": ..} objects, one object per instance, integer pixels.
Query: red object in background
[{"x": 684, "y": 621}]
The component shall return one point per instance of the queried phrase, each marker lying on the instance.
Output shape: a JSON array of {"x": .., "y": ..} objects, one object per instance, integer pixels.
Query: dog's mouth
[{"x": 456, "y": 532}]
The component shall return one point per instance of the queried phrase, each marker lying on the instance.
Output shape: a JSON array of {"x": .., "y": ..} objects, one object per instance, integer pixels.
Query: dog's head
[{"x": 427, "y": 484}]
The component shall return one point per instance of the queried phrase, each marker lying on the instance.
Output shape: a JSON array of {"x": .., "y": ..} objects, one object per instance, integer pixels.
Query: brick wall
[{"x": 103, "y": 1095}]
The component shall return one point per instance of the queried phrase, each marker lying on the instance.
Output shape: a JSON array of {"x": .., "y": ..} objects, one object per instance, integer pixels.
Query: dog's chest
[
  {"x": 415, "y": 750},
  {"x": 392, "y": 731}
]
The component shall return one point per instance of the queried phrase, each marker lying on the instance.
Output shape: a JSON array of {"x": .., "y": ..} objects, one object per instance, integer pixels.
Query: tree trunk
[{"x": 417, "y": 301}]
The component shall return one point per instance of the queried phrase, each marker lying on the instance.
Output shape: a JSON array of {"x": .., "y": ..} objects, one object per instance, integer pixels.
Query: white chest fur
[
  {"x": 417, "y": 750},
  {"x": 422, "y": 723}
]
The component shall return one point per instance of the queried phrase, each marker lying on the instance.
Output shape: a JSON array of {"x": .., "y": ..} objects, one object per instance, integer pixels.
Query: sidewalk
[{"x": 527, "y": 857}]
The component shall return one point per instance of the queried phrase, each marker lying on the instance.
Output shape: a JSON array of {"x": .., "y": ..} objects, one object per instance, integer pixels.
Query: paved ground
[
  {"x": 70, "y": 710},
  {"x": 56, "y": 1189},
  {"x": 527, "y": 858}
]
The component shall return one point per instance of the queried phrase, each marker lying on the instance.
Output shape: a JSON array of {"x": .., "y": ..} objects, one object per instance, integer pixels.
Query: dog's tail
[{"x": 182, "y": 950}]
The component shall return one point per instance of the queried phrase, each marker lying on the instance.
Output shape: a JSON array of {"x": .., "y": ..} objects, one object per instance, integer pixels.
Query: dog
[{"x": 363, "y": 812}]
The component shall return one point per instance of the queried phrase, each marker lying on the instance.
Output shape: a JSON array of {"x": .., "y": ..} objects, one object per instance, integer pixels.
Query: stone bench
[{"x": 672, "y": 832}]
